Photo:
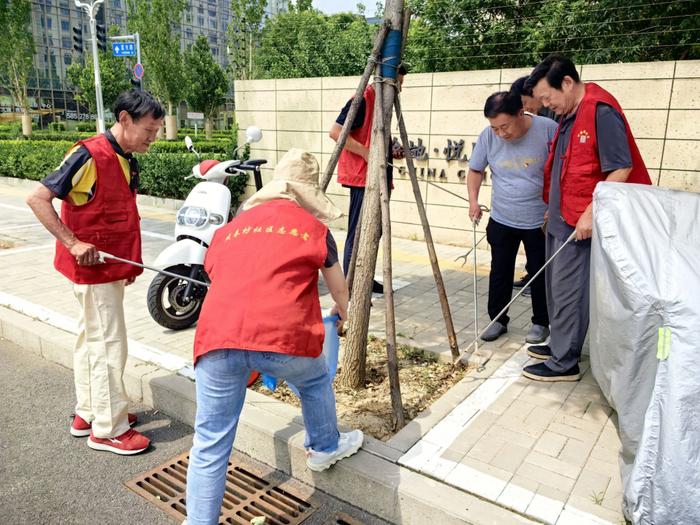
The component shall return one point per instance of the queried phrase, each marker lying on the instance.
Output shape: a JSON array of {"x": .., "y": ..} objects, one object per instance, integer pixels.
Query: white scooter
[{"x": 175, "y": 303}]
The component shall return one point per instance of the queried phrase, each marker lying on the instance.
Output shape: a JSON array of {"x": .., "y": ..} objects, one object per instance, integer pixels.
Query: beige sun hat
[{"x": 296, "y": 179}]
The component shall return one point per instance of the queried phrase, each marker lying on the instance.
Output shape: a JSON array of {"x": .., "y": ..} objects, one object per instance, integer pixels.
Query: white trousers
[{"x": 99, "y": 358}]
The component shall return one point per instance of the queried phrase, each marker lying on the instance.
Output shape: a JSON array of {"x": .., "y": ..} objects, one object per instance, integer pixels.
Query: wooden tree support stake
[
  {"x": 352, "y": 112},
  {"x": 449, "y": 325}
]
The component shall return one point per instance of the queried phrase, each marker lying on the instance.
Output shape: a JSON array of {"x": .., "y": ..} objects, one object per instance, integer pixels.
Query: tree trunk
[
  {"x": 170, "y": 124},
  {"x": 353, "y": 371},
  {"x": 26, "y": 123},
  {"x": 209, "y": 127},
  {"x": 170, "y": 127}
]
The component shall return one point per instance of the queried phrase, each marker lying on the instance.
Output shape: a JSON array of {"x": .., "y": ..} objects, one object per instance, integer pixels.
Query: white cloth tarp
[{"x": 645, "y": 343}]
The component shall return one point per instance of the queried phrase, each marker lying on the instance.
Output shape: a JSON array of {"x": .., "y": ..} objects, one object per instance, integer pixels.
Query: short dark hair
[
  {"x": 502, "y": 102},
  {"x": 403, "y": 70},
  {"x": 518, "y": 87},
  {"x": 554, "y": 68},
  {"x": 137, "y": 104}
]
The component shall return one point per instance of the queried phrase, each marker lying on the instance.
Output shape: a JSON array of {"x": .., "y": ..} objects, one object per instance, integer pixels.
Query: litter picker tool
[
  {"x": 105, "y": 255},
  {"x": 484, "y": 357},
  {"x": 547, "y": 262},
  {"x": 466, "y": 255}
]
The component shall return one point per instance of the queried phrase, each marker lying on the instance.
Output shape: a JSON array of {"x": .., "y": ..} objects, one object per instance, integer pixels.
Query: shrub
[
  {"x": 162, "y": 174},
  {"x": 57, "y": 126},
  {"x": 86, "y": 126},
  {"x": 219, "y": 146},
  {"x": 28, "y": 159}
]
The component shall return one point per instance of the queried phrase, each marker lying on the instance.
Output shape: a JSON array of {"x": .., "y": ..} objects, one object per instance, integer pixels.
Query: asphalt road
[
  {"x": 49, "y": 477},
  {"x": 46, "y": 475}
]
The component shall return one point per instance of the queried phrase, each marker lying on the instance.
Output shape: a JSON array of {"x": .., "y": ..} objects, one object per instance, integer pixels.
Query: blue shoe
[{"x": 541, "y": 372}]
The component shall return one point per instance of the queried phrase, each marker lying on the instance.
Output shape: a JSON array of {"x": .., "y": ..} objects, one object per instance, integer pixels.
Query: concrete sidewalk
[{"x": 496, "y": 448}]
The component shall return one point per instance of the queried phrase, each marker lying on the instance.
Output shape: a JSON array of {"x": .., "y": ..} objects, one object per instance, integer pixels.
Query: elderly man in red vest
[
  {"x": 262, "y": 313},
  {"x": 594, "y": 143},
  {"x": 97, "y": 183},
  {"x": 352, "y": 164}
]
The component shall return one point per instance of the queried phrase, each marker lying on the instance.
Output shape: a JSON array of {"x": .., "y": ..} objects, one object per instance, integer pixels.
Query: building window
[
  {"x": 212, "y": 13},
  {"x": 65, "y": 25},
  {"x": 212, "y": 23},
  {"x": 200, "y": 21},
  {"x": 49, "y": 22},
  {"x": 67, "y": 59},
  {"x": 65, "y": 42}
]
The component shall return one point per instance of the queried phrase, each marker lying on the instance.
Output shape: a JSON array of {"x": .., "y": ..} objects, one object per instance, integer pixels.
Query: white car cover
[{"x": 645, "y": 343}]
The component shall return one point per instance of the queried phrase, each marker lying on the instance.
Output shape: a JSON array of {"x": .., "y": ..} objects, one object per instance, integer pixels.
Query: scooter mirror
[
  {"x": 253, "y": 134},
  {"x": 188, "y": 143}
]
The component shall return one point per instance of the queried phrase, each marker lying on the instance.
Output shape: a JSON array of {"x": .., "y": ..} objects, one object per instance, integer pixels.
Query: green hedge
[
  {"x": 222, "y": 146},
  {"x": 162, "y": 174}
]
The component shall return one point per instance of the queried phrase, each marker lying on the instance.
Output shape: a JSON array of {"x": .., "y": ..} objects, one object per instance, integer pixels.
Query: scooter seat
[{"x": 206, "y": 165}]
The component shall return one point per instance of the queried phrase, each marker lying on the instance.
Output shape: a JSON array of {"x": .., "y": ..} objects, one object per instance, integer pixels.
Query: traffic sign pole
[
  {"x": 91, "y": 10},
  {"x": 135, "y": 37}
]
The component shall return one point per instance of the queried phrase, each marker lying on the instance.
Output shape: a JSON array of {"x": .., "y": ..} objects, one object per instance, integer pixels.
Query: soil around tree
[{"x": 422, "y": 377}]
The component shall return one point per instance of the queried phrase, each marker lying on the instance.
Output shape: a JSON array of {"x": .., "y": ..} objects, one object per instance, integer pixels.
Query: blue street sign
[{"x": 123, "y": 49}]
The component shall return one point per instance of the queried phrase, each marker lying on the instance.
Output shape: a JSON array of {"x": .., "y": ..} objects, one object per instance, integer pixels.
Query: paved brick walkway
[{"x": 546, "y": 450}]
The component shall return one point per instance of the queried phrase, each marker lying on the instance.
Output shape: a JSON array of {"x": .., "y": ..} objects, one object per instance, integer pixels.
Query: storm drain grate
[{"x": 250, "y": 492}]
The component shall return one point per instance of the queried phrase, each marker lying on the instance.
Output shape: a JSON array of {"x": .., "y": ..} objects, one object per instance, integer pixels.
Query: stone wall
[{"x": 661, "y": 101}]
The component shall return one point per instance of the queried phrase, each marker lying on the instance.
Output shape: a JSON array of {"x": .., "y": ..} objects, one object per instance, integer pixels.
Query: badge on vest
[{"x": 583, "y": 136}]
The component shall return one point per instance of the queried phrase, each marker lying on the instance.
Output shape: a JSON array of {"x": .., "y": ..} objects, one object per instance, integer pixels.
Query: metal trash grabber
[
  {"x": 485, "y": 357},
  {"x": 483, "y": 208},
  {"x": 466, "y": 255},
  {"x": 476, "y": 340},
  {"x": 105, "y": 255}
]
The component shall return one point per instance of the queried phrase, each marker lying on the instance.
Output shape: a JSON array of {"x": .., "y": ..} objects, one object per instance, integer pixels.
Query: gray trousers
[{"x": 567, "y": 280}]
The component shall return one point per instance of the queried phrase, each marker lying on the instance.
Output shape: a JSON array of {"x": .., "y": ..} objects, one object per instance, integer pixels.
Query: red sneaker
[
  {"x": 81, "y": 428},
  {"x": 129, "y": 443}
]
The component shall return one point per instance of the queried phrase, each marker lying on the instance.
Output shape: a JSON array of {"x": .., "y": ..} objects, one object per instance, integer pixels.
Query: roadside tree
[
  {"x": 206, "y": 82},
  {"x": 16, "y": 54}
]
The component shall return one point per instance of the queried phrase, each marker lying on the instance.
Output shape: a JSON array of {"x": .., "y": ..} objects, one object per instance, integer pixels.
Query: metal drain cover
[{"x": 250, "y": 491}]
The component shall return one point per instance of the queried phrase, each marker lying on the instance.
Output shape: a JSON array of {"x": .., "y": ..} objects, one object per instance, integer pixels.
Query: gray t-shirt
[
  {"x": 613, "y": 153},
  {"x": 517, "y": 173}
]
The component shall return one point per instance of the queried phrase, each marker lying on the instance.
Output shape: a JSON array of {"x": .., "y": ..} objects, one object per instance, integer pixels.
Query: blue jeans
[{"x": 221, "y": 378}]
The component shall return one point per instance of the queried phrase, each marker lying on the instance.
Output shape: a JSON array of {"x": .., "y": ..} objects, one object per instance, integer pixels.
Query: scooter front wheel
[{"x": 171, "y": 304}]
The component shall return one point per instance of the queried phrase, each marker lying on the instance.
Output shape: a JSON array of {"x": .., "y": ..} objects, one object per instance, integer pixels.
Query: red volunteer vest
[
  {"x": 109, "y": 220},
  {"x": 581, "y": 166},
  {"x": 352, "y": 168},
  {"x": 264, "y": 267}
]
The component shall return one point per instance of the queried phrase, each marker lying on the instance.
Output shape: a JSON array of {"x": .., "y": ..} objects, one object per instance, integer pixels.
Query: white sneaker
[{"x": 348, "y": 444}]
